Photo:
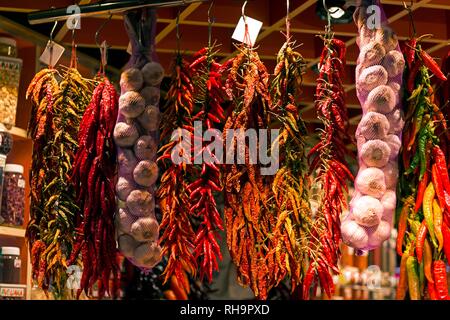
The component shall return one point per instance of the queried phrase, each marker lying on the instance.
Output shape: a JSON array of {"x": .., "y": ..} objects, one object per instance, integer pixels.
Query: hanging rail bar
[{"x": 52, "y": 15}]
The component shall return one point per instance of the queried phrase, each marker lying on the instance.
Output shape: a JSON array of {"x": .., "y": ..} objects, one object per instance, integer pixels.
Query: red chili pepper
[
  {"x": 440, "y": 279},
  {"x": 197, "y": 62},
  {"x": 410, "y": 51},
  {"x": 402, "y": 224},
  {"x": 421, "y": 235},
  {"x": 412, "y": 76},
  {"x": 441, "y": 166},
  {"x": 432, "y": 291},
  {"x": 432, "y": 65},
  {"x": 446, "y": 233},
  {"x": 421, "y": 190},
  {"x": 200, "y": 52}
]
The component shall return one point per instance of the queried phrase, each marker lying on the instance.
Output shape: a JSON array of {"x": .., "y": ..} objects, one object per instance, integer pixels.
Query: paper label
[
  {"x": 253, "y": 25},
  {"x": 53, "y": 50}
]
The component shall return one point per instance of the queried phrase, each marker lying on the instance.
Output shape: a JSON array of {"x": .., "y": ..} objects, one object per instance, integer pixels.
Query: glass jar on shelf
[
  {"x": 13, "y": 197},
  {"x": 10, "y": 69}
]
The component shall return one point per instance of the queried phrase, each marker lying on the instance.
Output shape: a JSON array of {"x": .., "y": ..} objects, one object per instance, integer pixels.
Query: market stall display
[{"x": 241, "y": 182}]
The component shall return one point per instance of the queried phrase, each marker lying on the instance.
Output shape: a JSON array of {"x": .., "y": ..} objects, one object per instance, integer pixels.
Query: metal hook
[
  {"x": 53, "y": 30},
  {"x": 209, "y": 12},
  {"x": 100, "y": 29},
  {"x": 408, "y": 8},
  {"x": 243, "y": 11},
  {"x": 328, "y": 14}
]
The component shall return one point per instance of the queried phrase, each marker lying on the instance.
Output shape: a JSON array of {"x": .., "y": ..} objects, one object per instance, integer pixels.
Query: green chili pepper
[
  {"x": 423, "y": 135},
  {"x": 414, "y": 163},
  {"x": 415, "y": 225},
  {"x": 413, "y": 278}
]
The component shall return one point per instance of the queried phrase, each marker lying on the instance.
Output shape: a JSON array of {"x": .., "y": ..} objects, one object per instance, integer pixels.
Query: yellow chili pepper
[
  {"x": 437, "y": 219},
  {"x": 428, "y": 211}
]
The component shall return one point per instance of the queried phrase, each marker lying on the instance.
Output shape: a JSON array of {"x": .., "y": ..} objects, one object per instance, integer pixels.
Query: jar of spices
[
  {"x": 10, "y": 265},
  {"x": 13, "y": 198},
  {"x": 10, "y": 69},
  {"x": 6, "y": 142}
]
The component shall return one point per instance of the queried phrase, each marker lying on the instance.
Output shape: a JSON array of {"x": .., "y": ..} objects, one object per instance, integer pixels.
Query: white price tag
[
  {"x": 253, "y": 28},
  {"x": 52, "y": 51}
]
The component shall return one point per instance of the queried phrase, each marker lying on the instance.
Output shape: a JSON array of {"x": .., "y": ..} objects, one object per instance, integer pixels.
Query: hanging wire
[
  {"x": 243, "y": 12},
  {"x": 410, "y": 15},
  {"x": 288, "y": 21},
  {"x": 177, "y": 25},
  {"x": 328, "y": 27},
  {"x": 103, "y": 48},
  {"x": 50, "y": 44},
  {"x": 210, "y": 23},
  {"x": 100, "y": 29}
]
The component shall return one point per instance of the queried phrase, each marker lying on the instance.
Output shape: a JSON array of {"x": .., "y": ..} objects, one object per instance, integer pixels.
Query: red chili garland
[{"x": 94, "y": 177}]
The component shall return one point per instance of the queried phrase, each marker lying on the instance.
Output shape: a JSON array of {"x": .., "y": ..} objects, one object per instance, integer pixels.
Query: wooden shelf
[
  {"x": 19, "y": 133},
  {"x": 12, "y": 232}
]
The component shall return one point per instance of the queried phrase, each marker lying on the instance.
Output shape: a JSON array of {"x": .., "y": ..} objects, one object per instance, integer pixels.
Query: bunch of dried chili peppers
[
  {"x": 248, "y": 203},
  {"x": 173, "y": 194},
  {"x": 55, "y": 119},
  {"x": 290, "y": 185},
  {"x": 423, "y": 224},
  {"x": 209, "y": 97},
  {"x": 94, "y": 175},
  {"x": 328, "y": 162}
]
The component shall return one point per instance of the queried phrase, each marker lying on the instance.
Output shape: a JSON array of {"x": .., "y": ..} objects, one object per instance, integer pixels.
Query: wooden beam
[
  {"x": 22, "y": 32},
  {"x": 63, "y": 31},
  {"x": 172, "y": 25}
]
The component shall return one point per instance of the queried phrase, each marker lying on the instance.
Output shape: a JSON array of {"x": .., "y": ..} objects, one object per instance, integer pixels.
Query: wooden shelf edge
[
  {"x": 12, "y": 232},
  {"x": 19, "y": 133}
]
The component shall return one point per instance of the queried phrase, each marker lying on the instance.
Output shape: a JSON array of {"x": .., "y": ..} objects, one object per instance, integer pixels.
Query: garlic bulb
[
  {"x": 389, "y": 200},
  {"x": 375, "y": 153},
  {"x": 131, "y": 104},
  {"x": 353, "y": 234},
  {"x": 371, "y": 181},
  {"x": 381, "y": 234},
  {"x": 371, "y": 54},
  {"x": 367, "y": 211},
  {"x": 372, "y": 77},
  {"x": 127, "y": 244},
  {"x": 373, "y": 125},
  {"x": 391, "y": 175},
  {"x": 396, "y": 122},
  {"x": 394, "y": 63},
  {"x": 394, "y": 144},
  {"x": 131, "y": 80},
  {"x": 382, "y": 99}
]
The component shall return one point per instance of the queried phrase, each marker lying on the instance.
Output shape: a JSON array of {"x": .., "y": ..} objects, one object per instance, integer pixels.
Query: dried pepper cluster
[
  {"x": 178, "y": 236},
  {"x": 248, "y": 206},
  {"x": 55, "y": 120},
  {"x": 290, "y": 186},
  {"x": 423, "y": 225},
  {"x": 93, "y": 175},
  {"x": 209, "y": 96},
  {"x": 327, "y": 160}
]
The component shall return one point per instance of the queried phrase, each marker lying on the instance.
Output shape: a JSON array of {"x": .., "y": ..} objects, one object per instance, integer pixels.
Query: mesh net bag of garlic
[
  {"x": 378, "y": 81},
  {"x": 136, "y": 137}
]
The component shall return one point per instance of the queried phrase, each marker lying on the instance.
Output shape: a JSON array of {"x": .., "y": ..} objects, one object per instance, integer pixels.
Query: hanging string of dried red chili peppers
[
  {"x": 208, "y": 97},
  {"x": 93, "y": 175},
  {"x": 290, "y": 185},
  {"x": 327, "y": 161},
  {"x": 248, "y": 207},
  {"x": 173, "y": 193}
]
